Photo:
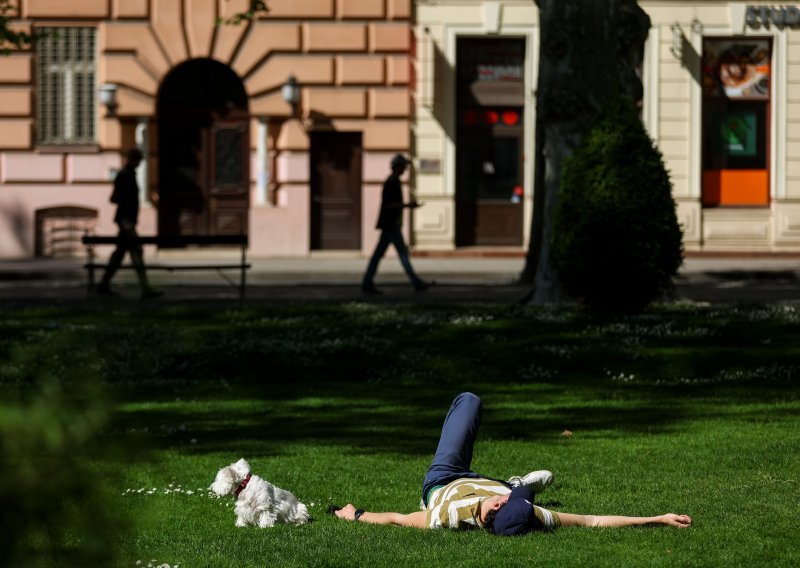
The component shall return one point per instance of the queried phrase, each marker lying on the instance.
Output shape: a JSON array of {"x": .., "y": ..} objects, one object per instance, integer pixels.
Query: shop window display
[{"x": 736, "y": 109}]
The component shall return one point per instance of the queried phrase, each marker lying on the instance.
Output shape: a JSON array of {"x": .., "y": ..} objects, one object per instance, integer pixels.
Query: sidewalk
[{"x": 337, "y": 278}]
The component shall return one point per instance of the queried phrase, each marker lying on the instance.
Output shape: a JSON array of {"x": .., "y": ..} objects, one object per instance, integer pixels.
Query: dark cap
[
  {"x": 516, "y": 517},
  {"x": 400, "y": 160},
  {"x": 135, "y": 153}
]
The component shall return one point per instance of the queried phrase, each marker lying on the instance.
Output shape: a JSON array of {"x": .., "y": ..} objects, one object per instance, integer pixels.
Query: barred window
[{"x": 65, "y": 89}]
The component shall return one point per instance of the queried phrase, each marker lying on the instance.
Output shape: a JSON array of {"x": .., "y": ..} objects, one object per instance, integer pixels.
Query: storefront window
[
  {"x": 736, "y": 100},
  {"x": 490, "y": 141}
]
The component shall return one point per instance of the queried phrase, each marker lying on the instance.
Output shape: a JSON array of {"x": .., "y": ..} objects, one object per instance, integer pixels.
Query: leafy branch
[
  {"x": 8, "y": 36},
  {"x": 255, "y": 8}
]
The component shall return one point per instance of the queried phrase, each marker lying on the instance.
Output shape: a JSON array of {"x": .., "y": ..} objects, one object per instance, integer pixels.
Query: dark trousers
[
  {"x": 393, "y": 236},
  {"x": 126, "y": 244},
  {"x": 454, "y": 452}
]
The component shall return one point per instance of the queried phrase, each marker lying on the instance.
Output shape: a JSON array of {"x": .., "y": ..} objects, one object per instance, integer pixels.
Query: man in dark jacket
[
  {"x": 390, "y": 222},
  {"x": 126, "y": 197}
]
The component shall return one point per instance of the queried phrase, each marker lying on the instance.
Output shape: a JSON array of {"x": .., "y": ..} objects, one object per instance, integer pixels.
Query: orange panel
[{"x": 736, "y": 187}]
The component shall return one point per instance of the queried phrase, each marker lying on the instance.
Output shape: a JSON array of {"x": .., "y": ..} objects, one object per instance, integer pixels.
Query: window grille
[{"x": 65, "y": 90}]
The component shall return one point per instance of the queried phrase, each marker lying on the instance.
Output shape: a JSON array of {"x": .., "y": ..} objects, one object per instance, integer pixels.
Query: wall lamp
[
  {"x": 677, "y": 41},
  {"x": 108, "y": 97},
  {"x": 290, "y": 93}
]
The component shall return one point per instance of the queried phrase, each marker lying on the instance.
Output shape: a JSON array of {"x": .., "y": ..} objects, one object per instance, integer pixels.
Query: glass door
[
  {"x": 736, "y": 110},
  {"x": 490, "y": 141}
]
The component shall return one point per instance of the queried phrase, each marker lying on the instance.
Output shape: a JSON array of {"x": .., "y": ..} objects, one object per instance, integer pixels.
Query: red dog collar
[{"x": 242, "y": 485}]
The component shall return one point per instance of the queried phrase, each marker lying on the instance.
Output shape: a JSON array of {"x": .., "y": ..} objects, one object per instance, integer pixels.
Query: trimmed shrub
[
  {"x": 54, "y": 502},
  {"x": 616, "y": 239}
]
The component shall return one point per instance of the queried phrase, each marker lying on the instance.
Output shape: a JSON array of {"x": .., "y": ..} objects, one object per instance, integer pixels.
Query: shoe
[
  {"x": 422, "y": 286},
  {"x": 372, "y": 290},
  {"x": 151, "y": 294},
  {"x": 536, "y": 481},
  {"x": 105, "y": 290}
]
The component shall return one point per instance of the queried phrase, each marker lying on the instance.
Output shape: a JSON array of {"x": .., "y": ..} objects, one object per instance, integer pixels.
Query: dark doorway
[
  {"x": 336, "y": 190},
  {"x": 490, "y": 141},
  {"x": 203, "y": 150}
]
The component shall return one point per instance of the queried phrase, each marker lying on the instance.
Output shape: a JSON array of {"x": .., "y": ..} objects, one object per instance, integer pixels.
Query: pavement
[{"x": 336, "y": 278}]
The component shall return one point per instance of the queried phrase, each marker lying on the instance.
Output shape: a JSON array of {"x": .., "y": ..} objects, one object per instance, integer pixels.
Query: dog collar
[{"x": 242, "y": 485}]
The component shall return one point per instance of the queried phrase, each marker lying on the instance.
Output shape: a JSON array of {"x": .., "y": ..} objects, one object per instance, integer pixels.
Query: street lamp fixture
[
  {"x": 108, "y": 97},
  {"x": 677, "y": 41},
  {"x": 290, "y": 92}
]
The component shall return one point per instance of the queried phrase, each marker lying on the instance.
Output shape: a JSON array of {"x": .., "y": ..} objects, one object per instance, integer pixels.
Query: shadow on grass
[{"x": 380, "y": 379}]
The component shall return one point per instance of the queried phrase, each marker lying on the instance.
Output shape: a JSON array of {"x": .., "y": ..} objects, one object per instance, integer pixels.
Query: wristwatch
[{"x": 358, "y": 514}]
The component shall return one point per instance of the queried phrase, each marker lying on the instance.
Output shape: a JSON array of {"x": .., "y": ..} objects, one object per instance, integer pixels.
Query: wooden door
[
  {"x": 181, "y": 199},
  {"x": 228, "y": 182},
  {"x": 336, "y": 179},
  {"x": 205, "y": 175}
]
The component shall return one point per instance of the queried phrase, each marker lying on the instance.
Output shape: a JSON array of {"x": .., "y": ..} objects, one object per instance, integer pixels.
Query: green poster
[{"x": 738, "y": 131}]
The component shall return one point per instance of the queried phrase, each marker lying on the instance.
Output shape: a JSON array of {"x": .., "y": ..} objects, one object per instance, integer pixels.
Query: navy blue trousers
[
  {"x": 454, "y": 452},
  {"x": 392, "y": 236}
]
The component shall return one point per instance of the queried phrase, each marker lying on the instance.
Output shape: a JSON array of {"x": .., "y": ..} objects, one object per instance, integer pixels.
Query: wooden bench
[{"x": 173, "y": 242}]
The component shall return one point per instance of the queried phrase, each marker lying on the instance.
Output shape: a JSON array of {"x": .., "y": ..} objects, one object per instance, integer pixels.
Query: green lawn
[{"x": 115, "y": 422}]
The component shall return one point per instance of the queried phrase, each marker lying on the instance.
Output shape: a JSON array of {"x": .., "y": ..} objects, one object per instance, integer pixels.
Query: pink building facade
[{"x": 226, "y": 153}]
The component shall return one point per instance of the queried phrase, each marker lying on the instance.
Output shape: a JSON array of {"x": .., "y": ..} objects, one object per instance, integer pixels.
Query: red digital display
[
  {"x": 510, "y": 117},
  {"x": 491, "y": 117}
]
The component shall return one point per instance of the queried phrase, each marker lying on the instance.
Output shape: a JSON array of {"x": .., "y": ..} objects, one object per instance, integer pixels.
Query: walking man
[
  {"x": 390, "y": 223},
  {"x": 455, "y": 497},
  {"x": 126, "y": 197}
]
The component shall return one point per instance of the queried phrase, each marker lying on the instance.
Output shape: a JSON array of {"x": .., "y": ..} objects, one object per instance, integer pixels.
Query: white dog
[{"x": 258, "y": 502}]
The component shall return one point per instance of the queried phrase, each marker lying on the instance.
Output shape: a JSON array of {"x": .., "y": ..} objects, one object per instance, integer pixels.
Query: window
[
  {"x": 736, "y": 109},
  {"x": 65, "y": 89}
]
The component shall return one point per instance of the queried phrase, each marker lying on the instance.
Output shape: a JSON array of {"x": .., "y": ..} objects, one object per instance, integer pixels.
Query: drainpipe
[
  {"x": 142, "y": 173},
  {"x": 262, "y": 165}
]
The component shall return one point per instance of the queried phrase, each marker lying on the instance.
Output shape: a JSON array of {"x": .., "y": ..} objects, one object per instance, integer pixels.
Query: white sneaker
[{"x": 537, "y": 481}]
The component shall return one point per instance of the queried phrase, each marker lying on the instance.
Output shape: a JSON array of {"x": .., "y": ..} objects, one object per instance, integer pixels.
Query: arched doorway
[{"x": 203, "y": 151}]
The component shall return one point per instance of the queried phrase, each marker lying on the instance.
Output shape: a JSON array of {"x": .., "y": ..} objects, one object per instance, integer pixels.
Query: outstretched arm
[
  {"x": 416, "y": 520},
  {"x": 573, "y": 520}
]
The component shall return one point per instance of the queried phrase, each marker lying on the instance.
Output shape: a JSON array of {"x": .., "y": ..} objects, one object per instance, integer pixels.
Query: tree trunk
[{"x": 589, "y": 52}]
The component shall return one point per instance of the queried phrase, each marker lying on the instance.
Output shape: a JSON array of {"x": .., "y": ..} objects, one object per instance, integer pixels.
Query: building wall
[
  {"x": 679, "y": 130},
  {"x": 350, "y": 57},
  {"x": 672, "y": 114},
  {"x": 363, "y": 67}
]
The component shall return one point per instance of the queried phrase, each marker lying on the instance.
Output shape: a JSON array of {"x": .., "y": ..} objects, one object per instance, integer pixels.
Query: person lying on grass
[{"x": 455, "y": 497}]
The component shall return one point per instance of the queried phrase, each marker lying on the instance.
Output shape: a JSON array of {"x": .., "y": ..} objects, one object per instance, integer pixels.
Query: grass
[{"x": 124, "y": 417}]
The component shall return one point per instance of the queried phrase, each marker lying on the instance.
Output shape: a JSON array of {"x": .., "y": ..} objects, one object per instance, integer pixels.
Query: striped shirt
[{"x": 457, "y": 505}]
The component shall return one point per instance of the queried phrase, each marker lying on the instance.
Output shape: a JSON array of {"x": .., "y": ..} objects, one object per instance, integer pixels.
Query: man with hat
[
  {"x": 126, "y": 198},
  {"x": 390, "y": 222},
  {"x": 455, "y": 497}
]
